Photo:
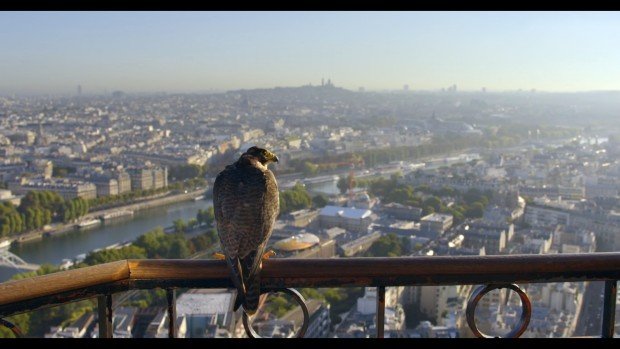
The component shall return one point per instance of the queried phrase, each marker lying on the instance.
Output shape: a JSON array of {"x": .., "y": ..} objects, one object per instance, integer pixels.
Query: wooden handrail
[
  {"x": 46, "y": 285},
  {"x": 290, "y": 272}
]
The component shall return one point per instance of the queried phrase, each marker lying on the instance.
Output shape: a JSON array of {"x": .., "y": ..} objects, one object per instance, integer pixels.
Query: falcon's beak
[{"x": 272, "y": 157}]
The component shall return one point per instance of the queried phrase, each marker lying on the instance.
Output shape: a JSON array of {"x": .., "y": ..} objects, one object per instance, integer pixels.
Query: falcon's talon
[
  {"x": 218, "y": 256},
  {"x": 268, "y": 255}
]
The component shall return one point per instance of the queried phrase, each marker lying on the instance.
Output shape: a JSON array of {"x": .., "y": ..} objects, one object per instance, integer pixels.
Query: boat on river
[
  {"x": 5, "y": 243},
  {"x": 88, "y": 224},
  {"x": 117, "y": 214}
]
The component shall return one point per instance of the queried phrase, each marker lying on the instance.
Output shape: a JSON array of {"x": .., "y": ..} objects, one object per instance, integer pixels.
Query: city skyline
[{"x": 55, "y": 52}]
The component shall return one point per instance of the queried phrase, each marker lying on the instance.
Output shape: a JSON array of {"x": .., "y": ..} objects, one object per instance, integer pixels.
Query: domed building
[{"x": 296, "y": 243}]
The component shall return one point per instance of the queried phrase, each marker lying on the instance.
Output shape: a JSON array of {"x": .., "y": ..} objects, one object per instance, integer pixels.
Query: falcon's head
[{"x": 263, "y": 155}]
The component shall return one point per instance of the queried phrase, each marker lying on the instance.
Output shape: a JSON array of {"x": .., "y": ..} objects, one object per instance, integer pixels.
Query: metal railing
[{"x": 492, "y": 272}]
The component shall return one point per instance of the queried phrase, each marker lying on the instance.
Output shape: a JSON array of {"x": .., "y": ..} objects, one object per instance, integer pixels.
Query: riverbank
[
  {"x": 62, "y": 228},
  {"x": 188, "y": 234},
  {"x": 55, "y": 249}
]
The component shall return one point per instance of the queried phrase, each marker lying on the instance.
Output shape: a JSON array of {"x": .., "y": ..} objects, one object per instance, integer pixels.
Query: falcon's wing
[
  {"x": 264, "y": 207},
  {"x": 246, "y": 204},
  {"x": 224, "y": 203}
]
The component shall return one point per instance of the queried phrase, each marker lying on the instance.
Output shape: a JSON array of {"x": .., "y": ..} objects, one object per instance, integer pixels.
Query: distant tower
[
  {"x": 406, "y": 87},
  {"x": 322, "y": 82},
  {"x": 41, "y": 139},
  {"x": 79, "y": 90}
]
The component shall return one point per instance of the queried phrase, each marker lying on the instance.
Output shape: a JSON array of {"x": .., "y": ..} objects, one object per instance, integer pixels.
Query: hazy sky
[{"x": 53, "y": 52}]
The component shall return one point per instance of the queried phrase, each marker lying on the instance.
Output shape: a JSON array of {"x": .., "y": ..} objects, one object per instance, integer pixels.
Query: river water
[
  {"x": 54, "y": 249},
  {"x": 329, "y": 188}
]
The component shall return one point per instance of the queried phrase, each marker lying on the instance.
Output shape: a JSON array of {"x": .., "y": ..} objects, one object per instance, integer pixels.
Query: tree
[
  {"x": 179, "y": 226},
  {"x": 310, "y": 169},
  {"x": 30, "y": 220},
  {"x": 5, "y": 227},
  {"x": 433, "y": 202},
  {"x": 476, "y": 210},
  {"x": 185, "y": 172},
  {"x": 178, "y": 248},
  {"x": 206, "y": 216},
  {"x": 201, "y": 242},
  {"x": 320, "y": 200},
  {"x": 399, "y": 195},
  {"x": 396, "y": 175},
  {"x": 192, "y": 223},
  {"x": 386, "y": 246},
  {"x": 293, "y": 199},
  {"x": 38, "y": 218},
  {"x": 47, "y": 216},
  {"x": 111, "y": 255},
  {"x": 475, "y": 195},
  {"x": 150, "y": 241},
  {"x": 199, "y": 216}
]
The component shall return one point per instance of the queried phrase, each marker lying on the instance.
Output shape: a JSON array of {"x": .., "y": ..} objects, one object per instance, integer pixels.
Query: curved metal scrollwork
[
  {"x": 16, "y": 331},
  {"x": 298, "y": 298},
  {"x": 477, "y": 295}
]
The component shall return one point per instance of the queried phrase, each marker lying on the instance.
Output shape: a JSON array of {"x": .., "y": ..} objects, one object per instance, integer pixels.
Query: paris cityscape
[{"x": 91, "y": 176}]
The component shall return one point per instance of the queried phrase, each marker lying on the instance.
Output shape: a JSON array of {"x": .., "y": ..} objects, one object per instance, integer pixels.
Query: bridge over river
[{"x": 9, "y": 259}]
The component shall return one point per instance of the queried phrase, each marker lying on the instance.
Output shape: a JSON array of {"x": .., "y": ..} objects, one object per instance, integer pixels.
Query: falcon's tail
[
  {"x": 252, "y": 296},
  {"x": 237, "y": 278}
]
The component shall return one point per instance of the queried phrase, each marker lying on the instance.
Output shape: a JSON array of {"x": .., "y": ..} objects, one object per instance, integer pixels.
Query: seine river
[{"x": 54, "y": 249}]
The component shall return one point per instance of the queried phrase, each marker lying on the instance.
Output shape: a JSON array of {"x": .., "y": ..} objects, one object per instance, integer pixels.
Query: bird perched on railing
[{"x": 246, "y": 203}]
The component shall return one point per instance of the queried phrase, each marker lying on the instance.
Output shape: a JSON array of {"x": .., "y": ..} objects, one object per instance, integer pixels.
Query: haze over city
[{"x": 53, "y": 52}]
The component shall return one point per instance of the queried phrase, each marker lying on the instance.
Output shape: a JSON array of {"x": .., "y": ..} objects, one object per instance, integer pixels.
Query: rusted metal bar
[
  {"x": 380, "y": 311},
  {"x": 11, "y": 326},
  {"x": 476, "y": 296},
  {"x": 172, "y": 311},
  {"x": 39, "y": 286},
  {"x": 329, "y": 272},
  {"x": 440, "y": 270},
  {"x": 249, "y": 330},
  {"x": 609, "y": 309},
  {"x": 104, "y": 304},
  {"x": 33, "y": 293},
  {"x": 65, "y": 297}
]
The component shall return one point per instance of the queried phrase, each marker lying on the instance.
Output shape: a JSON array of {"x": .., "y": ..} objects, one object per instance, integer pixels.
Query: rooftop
[{"x": 346, "y": 212}]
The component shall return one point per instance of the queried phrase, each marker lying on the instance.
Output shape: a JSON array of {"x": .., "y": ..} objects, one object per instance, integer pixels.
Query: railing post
[
  {"x": 104, "y": 304},
  {"x": 609, "y": 309},
  {"x": 172, "y": 311},
  {"x": 380, "y": 311}
]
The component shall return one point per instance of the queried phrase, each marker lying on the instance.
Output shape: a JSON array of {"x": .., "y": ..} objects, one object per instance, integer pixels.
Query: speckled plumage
[{"x": 246, "y": 204}]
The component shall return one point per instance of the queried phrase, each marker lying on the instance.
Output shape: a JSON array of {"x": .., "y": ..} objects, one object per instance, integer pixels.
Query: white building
[
  {"x": 436, "y": 222},
  {"x": 204, "y": 308},
  {"x": 368, "y": 303},
  {"x": 349, "y": 218}
]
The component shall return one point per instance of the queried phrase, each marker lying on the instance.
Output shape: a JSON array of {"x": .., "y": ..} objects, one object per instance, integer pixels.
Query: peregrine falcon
[{"x": 246, "y": 203}]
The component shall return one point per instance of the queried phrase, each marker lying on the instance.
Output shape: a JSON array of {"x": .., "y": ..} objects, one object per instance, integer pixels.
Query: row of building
[{"x": 99, "y": 185}]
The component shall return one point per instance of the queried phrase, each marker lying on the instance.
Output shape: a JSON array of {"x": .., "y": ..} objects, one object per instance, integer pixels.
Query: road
[{"x": 590, "y": 321}]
